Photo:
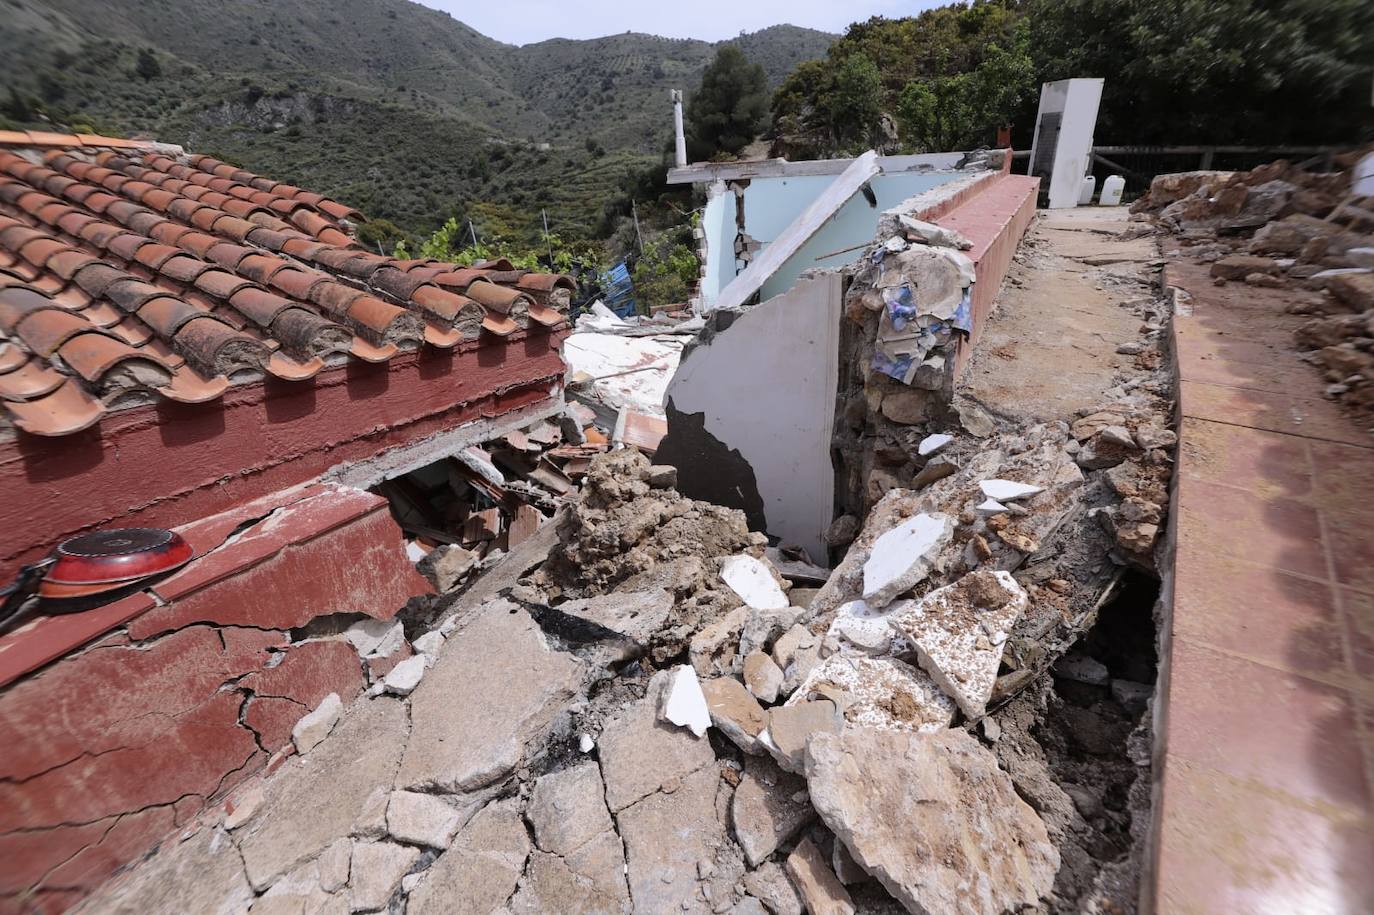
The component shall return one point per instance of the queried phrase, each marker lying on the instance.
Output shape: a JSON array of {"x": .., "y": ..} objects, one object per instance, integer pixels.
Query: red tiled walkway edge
[{"x": 1264, "y": 783}]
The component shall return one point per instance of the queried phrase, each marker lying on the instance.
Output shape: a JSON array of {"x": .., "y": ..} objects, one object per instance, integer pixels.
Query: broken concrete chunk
[
  {"x": 568, "y": 809},
  {"x": 333, "y": 865},
  {"x": 1007, "y": 490},
  {"x": 974, "y": 419},
  {"x": 940, "y": 791},
  {"x": 375, "y": 871},
  {"x": 315, "y": 727},
  {"x": 937, "y": 468},
  {"x": 754, "y": 582},
  {"x": 663, "y": 863},
  {"x": 1081, "y": 668},
  {"x": 762, "y": 676},
  {"x": 641, "y": 754},
  {"x": 820, "y": 889},
  {"x": 404, "y": 677},
  {"x": 786, "y": 646},
  {"x": 424, "y": 819},
  {"x": 768, "y": 809},
  {"x": 860, "y": 629},
  {"x": 933, "y": 443},
  {"x": 1134, "y": 697},
  {"x": 588, "y": 881},
  {"x": 790, "y": 725},
  {"x": 502, "y": 657},
  {"x": 375, "y": 638},
  {"x": 714, "y": 650},
  {"x": 771, "y": 885},
  {"x": 904, "y": 556},
  {"x": 662, "y": 476},
  {"x": 370, "y": 822},
  {"x": 959, "y": 631},
  {"x": 635, "y": 616},
  {"x": 480, "y": 870},
  {"x": 735, "y": 712},
  {"x": 879, "y": 693},
  {"x": 244, "y": 805},
  {"x": 429, "y": 643},
  {"x": 205, "y": 876},
  {"x": 683, "y": 702},
  {"x": 447, "y": 565},
  {"x": 764, "y": 626}
]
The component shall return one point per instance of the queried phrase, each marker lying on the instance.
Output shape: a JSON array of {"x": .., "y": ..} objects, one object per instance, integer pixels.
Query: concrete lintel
[
  {"x": 860, "y": 171},
  {"x": 703, "y": 172},
  {"x": 402, "y": 460}
]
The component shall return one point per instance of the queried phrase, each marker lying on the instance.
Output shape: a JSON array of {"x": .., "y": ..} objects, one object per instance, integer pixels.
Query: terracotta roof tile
[
  {"x": 68, "y": 409},
  {"x": 31, "y": 380},
  {"x": 137, "y": 271}
]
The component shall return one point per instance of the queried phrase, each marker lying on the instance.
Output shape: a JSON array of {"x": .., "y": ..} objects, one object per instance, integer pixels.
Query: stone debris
[
  {"x": 482, "y": 867},
  {"x": 425, "y": 819},
  {"x": 1082, "y": 669},
  {"x": 771, "y": 885},
  {"x": 499, "y": 684},
  {"x": 821, "y": 891},
  {"x": 939, "y": 792},
  {"x": 587, "y": 881},
  {"x": 376, "y": 638},
  {"x": 790, "y": 725},
  {"x": 640, "y": 754},
  {"x": 932, "y": 444},
  {"x": 762, "y": 676},
  {"x": 447, "y": 565},
  {"x": 859, "y": 629},
  {"x": 881, "y": 693},
  {"x": 632, "y": 619},
  {"x": 568, "y": 809},
  {"x": 315, "y": 726},
  {"x": 735, "y": 712},
  {"x": 429, "y": 644},
  {"x": 903, "y": 557},
  {"x": 243, "y": 806},
  {"x": 715, "y": 649},
  {"x": 404, "y": 677},
  {"x": 375, "y": 870},
  {"x": 768, "y": 809},
  {"x": 683, "y": 702},
  {"x": 1008, "y": 490},
  {"x": 754, "y": 581},
  {"x": 958, "y": 632}
]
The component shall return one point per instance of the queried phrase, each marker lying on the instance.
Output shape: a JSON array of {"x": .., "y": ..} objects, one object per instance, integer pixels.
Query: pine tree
[{"x": 728, "y": 109}]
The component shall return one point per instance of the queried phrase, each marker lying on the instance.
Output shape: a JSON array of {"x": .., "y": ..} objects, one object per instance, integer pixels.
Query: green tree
[
  {"x": 855, "y": 106},
  {"x": 729, "y": 108},
  {"x": 18, "y": 107},
  {"x": 1219, "y": 71},
  {"x": 147, "y": 66}
]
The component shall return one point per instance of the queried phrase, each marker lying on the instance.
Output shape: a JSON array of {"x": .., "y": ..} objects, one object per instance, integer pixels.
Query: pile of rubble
[{"x": 1279, "y": 226}]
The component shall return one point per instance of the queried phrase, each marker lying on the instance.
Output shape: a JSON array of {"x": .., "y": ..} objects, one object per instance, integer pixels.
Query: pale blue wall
[
  {"x": 718, "y": 224},
  {"x": 772, "y": 204}
]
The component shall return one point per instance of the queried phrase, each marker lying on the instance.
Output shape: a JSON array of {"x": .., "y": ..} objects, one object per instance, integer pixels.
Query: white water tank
[
  {"x": 1112, "y": 189},
  {"x": 1085, "y": 191}
]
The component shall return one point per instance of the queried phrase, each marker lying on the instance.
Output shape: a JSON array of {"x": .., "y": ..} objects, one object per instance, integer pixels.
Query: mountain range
[{"x": 394, "y": 107}]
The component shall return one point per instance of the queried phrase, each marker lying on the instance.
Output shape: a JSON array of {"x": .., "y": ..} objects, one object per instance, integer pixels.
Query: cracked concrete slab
[
  {"x": 316, "y": 800},
  {"x": 203, "y": 874},
  {"x": 496, "y": 686},
  {"x": 480, "y": 870},
  {"x": 641, "y": 753}
]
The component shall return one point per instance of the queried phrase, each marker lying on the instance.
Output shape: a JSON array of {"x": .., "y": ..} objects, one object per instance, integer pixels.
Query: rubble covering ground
[{"x": 636, "y": 710}]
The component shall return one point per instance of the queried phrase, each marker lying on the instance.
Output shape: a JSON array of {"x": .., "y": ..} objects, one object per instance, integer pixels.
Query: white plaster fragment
[
  {"x": 404, "y": 677},
  {"x": 314, "y": 727},
  {"x": 429, "y": 643},
  {"x": 683, "y": 703},
  {"x": 991, "y": 507},
  {"x": 933, "y": 443},
  {"x": 959, "y": 632},
  {"x": 375, "y": 638},
  {"x": 1006, "y": 490},
  {"x": 858, "y": 628},
  {"x": 903, "y": 556},
  {"x": 753, "y": 582},
  {"x": 585, "y": 743}
]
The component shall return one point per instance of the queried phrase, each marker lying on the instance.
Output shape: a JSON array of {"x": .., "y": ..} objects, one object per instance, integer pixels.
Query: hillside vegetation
[{"x": 396, "y": 108}]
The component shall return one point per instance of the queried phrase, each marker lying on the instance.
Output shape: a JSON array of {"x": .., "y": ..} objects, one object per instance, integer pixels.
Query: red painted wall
[{"x": 166, "y": 464}]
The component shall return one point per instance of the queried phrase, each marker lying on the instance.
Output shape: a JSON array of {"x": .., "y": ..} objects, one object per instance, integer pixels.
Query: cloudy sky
[{"x": 525, "y": 21}]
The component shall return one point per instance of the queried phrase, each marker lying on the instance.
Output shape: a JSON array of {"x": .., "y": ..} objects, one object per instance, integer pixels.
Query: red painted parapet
[
  {"x": 157, "y": 466},
  {"x": 112, "y": 747}
]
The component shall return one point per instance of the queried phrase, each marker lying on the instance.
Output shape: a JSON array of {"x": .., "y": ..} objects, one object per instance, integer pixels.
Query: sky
[{"x": 526, "y": 21}]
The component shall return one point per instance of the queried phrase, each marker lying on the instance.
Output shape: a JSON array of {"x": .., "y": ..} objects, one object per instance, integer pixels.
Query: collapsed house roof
[{"x": 132, "y": 272}]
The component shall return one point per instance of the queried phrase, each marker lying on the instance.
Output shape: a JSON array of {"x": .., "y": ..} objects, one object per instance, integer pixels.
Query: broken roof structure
[{"x": 754, "y": 409}]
